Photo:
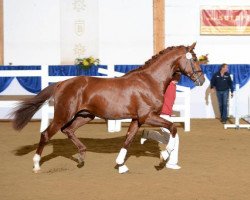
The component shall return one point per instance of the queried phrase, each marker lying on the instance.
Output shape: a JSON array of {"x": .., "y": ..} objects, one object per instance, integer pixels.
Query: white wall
[
  {"x": 31, "y": 32},
  {"x": 45, "y": 31},
  {"x": 125, "y": 31},
  {"x": 183, "y": 27}
]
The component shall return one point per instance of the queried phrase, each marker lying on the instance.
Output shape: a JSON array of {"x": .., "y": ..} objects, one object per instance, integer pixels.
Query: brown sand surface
[{"x": 215, "y": 165}]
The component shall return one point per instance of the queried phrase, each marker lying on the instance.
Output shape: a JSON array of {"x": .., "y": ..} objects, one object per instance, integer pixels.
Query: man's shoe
[
  {"x": 172, "y": 166},
  {"x": 143, "y": 140}
]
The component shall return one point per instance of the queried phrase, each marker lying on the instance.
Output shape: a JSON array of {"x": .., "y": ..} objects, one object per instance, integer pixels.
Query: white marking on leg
[
  {"x": 173, "y": 159},
  {"x": 80, "y": 158},
  {"x": 171, "y": 143},
  {"x": 121, "y": 156},
  {"x": 36, "y": 160},
  {"x": 165, "y": 154}
]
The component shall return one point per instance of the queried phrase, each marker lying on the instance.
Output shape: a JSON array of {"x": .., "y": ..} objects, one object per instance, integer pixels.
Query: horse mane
[{"x": 154, "y": 58}]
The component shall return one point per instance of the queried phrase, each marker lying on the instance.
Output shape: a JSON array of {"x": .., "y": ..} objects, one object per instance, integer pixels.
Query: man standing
[{"x": 222, "y": 82}]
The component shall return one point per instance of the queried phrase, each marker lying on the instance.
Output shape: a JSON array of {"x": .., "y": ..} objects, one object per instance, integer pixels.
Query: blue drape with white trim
[
  {"x": 74, "y": 70},
  {"x": 31, "y": 84},
  {"x": 240, "y": 72}
]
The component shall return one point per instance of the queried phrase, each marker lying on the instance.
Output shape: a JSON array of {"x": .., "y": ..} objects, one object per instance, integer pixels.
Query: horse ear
[{"x": 190, "y": 48}]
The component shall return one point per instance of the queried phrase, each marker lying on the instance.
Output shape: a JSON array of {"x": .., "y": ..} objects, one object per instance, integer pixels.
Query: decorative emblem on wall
[
  {"x": 79, "y": 50},
  {"x": 79, "y": 27},
  {"x": 79, "y": 5}
]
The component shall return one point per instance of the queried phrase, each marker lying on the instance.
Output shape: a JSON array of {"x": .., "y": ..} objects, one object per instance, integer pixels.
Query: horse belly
[{"x": 109, "y": 108}]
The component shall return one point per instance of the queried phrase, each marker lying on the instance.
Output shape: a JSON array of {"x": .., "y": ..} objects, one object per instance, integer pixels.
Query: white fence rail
[{"x": 237, "y": 124}]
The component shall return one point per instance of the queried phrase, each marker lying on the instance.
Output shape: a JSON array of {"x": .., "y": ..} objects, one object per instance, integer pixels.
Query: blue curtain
[
  {"x": 125, "y": 68},
  {"x": 31, "y": 84},
  {"x": 74, "y": 70},
  {"x": 5, "y": 82},
  {"x": 241, "y": 72},
  {"x": 185, "y": 81}
]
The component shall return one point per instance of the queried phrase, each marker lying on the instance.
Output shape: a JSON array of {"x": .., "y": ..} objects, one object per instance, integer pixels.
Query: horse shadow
[{"x": 65, "y": 148}]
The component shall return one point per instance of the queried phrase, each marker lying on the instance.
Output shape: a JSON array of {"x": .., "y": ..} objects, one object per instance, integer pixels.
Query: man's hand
[{"x": 212, "y": 90}]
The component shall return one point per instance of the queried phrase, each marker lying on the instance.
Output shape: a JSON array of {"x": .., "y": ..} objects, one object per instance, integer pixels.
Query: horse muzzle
[{"x": 199, "y": 81}]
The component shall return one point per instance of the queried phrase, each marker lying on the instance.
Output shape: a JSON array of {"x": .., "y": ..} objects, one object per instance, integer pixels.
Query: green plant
[{"x": 86, "y": 63}]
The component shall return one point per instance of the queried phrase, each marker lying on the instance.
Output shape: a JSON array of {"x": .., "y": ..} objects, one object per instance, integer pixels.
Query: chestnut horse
[{"x": 137, "y": 95}]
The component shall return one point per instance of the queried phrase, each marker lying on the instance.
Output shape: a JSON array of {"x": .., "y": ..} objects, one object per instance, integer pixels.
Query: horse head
[{"x": 188, "y": 64}]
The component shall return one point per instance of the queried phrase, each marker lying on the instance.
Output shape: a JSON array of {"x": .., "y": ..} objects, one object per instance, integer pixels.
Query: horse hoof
[
  {"x": 116, "y": 166},
  {"x": 80, "y": 159},
  {"x": 36, "y": 170},
  {"x": 80, "y": 165},
  {"x": 123, "y": 169}
]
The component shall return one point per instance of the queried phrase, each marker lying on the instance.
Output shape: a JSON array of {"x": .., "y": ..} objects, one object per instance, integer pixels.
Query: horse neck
[{"x": 162, "y": 69}]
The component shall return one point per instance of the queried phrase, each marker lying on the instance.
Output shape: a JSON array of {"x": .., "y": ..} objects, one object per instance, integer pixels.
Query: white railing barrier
[
  {"x": 247, "y": 118},
  {"x": 236, "y": 124},
  {"x": 46, "y": 110},
  {"x": 16, "y": 73}
]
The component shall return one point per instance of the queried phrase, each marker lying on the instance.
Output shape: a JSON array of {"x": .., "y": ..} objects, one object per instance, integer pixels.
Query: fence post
[{"x": 45, "y": 107}]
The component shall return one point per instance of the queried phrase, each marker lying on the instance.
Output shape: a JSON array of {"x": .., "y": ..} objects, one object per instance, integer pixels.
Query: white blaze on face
[{"x": 188, "y": 55}]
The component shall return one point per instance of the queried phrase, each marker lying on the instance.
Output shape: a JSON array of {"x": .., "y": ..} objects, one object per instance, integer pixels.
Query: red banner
[{"x": 228, "y": 21}]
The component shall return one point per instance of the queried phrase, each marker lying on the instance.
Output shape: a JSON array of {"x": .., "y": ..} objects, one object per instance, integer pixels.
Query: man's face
[{"x": 224, "y": 69}]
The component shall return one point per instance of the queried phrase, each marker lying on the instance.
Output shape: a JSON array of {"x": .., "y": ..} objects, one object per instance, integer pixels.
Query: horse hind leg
[
  {"x": 45, "y": 137},
  {"x": 79, "y": 120}
]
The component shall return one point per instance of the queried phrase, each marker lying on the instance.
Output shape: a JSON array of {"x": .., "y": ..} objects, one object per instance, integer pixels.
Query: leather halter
[{"x": 195, "y": 73}]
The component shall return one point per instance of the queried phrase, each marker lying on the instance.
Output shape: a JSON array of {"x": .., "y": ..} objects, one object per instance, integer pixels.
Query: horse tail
[{"x": 27, "y": 108}]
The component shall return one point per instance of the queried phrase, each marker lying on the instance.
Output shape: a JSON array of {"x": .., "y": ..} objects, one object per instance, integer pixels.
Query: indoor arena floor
[{"x": 215, "y": 165}]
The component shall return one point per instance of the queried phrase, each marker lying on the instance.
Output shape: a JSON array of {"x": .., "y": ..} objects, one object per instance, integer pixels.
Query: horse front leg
[
  {"x": 156, "y": 120},
  {"x": 133, "y": 128}
]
